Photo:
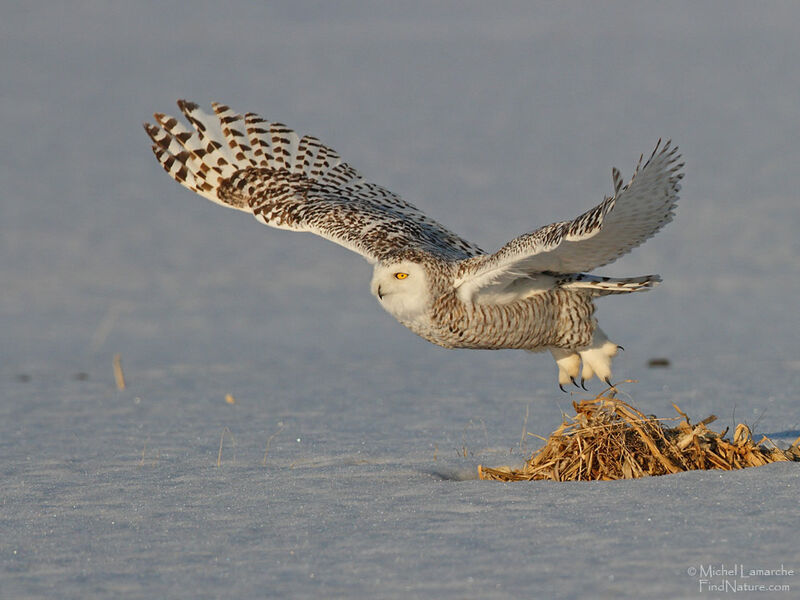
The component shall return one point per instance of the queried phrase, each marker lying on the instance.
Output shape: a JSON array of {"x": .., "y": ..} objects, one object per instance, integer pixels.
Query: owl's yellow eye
[{"x": 400, "y": 275}]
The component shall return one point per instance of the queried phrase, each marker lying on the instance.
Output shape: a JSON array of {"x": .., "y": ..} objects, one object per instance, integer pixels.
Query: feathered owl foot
[{"x": 593, "y": 360}]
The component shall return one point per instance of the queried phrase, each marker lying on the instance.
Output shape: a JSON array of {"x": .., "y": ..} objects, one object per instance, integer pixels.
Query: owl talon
[
  {"x": 575, "y": 383},
  {"x": 583, "y": 384},
  {"x": 569, "y": 364}
]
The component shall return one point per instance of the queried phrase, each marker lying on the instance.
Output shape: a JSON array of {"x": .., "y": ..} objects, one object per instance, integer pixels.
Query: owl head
[{"x": 403, "y": 288}]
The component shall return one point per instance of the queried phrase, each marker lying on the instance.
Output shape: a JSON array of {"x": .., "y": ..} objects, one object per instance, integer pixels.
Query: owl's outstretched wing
[
  {"x": 635, "y": 212},
  {"x": 294, "y": 183}
]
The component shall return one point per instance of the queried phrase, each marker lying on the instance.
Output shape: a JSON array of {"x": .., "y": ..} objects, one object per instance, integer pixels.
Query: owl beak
[{"x": 380, "y": 294}]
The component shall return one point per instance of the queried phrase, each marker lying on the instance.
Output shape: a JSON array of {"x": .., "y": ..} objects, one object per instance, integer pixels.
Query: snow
[{"x": 349, "y": 456}]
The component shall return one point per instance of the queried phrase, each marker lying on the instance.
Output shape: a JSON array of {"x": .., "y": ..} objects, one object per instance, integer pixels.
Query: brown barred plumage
[{"x": 532, "y": 294}]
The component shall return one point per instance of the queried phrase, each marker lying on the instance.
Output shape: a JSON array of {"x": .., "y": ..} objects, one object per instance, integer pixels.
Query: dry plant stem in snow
[{"x": 609, "y": 439}]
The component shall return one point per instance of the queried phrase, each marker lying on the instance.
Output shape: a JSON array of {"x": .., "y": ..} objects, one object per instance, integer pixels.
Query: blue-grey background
[{"x": 495, "y": 120}]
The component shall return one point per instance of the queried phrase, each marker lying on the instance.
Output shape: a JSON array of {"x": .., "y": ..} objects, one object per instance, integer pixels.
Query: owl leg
[
  {"x": 569, "y": 365},
  {"x": 597, "y": 357}
]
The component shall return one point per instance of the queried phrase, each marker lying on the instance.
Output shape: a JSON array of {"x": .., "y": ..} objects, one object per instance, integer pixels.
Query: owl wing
[
  {"x": 293, "y": 183},
  {"x": 635, "y": 212}
]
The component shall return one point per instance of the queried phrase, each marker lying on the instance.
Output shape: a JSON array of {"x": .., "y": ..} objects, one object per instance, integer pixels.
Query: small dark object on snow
[{"x": 655, "y": 363}]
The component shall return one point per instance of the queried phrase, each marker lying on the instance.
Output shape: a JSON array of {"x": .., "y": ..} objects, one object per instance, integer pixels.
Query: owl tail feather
[{"x": 603, "y": 286}]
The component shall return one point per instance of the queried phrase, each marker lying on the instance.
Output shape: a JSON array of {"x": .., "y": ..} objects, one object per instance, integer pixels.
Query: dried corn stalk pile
[{"x": 609, "y": 439}]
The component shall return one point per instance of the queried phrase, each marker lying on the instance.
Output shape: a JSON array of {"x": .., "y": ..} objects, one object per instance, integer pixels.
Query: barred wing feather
[
  {"x": 635, "y": 212},
  {"x": 294, "y": 183}
]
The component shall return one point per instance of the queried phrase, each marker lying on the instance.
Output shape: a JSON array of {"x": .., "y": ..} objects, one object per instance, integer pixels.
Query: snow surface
[{"x": 493, "y": 119}]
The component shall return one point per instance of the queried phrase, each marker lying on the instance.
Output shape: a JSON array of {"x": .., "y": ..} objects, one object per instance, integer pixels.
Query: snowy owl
[{"x": 532, "y": 294}]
